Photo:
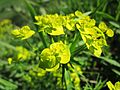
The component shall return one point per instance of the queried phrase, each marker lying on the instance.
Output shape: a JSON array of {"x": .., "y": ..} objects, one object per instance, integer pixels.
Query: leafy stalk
[
  {"x": 33, "y": 13},
  {"x": 75, "y": 41},
  {"x": 80, "y": 48}
]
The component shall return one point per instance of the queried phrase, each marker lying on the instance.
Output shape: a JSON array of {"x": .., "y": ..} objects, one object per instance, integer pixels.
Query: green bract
[
  {"x": 23, "y": 33},
  {"x": 53, "y": 56}
]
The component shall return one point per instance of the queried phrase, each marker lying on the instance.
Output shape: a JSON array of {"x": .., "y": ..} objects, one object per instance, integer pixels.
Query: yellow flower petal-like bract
[
  {"x": 62, "y": 50},
  {"x": 113, "y": 87},
  {"x": 23, "y": 53},
  {"x": 109, "y": 33},
  {"x": 50, "y": 58},
  {"x": 23, "y": 33}
]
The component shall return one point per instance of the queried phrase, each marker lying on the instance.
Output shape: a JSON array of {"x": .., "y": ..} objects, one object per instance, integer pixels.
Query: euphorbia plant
[{"x": 60, "y": 50}]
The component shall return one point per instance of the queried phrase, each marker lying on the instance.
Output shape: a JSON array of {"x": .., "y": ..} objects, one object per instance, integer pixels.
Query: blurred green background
[{"x": 19, "y": 76}]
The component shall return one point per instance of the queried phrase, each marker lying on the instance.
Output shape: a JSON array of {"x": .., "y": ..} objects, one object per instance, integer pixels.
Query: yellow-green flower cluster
[
  {"x": 23, "y": 53},
  {"x": 92, "y": 35},
  {"x": 23, "y": 33},
  {"x": 55, "y": 24},
  {"x": 106, "y": 30},
  {"x": 51, "y": 24},
  {"x": 69, "y": 22},
  {"x": 50, "y": 58},
  {"x": 113, "y": 87}
]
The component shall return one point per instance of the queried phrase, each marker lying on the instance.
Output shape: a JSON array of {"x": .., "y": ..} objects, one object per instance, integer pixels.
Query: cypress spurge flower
[
  {"x": 53, "y": 56},
  {"x": 106, "y": 30},
  {"x": 24, "y": 33},
  {"x": 93, "y": 36},
  {"x": 113, "y": 87},
  {"x": 51, "y": 24},
  {"x": 23, "y": 53}
]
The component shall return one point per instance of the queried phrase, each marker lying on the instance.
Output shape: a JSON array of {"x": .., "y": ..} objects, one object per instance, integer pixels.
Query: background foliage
[{"x": 94, "y": 72}]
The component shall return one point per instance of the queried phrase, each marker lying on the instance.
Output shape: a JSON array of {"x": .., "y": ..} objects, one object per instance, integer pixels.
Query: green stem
[
  {"x": 98, "y": 7},
  {"x": 29, "y": 44},
  {"x": 43, "y": 39},
  {"x": 79, "y": 49},
  {"x": 75, "y": 41},
  {"x": 33, "y": 13},
  {"x": 63, "y": 72}
]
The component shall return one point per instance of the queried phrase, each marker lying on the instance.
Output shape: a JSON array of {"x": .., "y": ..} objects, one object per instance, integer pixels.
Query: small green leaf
[
  {"x": 114, "y": 24},
  {"x": 8, "y": 84},
  {"x": 68, "y": 80}
]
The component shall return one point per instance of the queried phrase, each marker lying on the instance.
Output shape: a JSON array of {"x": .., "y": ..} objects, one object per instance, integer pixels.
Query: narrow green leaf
[
  {"x": 111, "y": 61},
  {"x": 8, "y": 84},
  {"x": 7, "y": 45},
  {"x": 74, "y": 43},
  {"x": 115, "y": 24},
  {"x": 105, "y": 15},
  {"x": 68, "y": 80},
  {"x": 116, "y": 71}
]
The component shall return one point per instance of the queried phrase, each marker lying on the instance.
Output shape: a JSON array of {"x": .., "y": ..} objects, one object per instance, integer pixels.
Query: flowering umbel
[
  {"x": 24, "y": 33},
  {"x": 53, "y": 56}
]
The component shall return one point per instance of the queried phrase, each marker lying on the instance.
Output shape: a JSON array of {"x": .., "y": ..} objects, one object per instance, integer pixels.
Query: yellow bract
[
  {"x": 5, "y": 22},
  {"x": 48, "y": 59},
  {"x": 104, "y": 28},
  {"x": 54, "y": 68},
  {"x": 51, "y": 57},
  {"x": 110, "y": 33},
  {"x": 9, "y": 60},
  {"x": 58, "y": 31},
  {"x": 23, "y": 33},
  {"x": 51, "y": 24},
  {"x": 23, "y": 53},
  {"x": 113, "y": 87},
  {"x": 93, "y": 36},
  {"x": 62, "y": 50}
]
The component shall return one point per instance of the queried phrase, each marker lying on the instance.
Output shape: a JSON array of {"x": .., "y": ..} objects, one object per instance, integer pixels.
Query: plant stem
[
  {"x": 29, "y": 44},
  {"x": 78, "y": 50},
  {"x": 63, "y": 72},
  {"x": 33, "y": 13}
]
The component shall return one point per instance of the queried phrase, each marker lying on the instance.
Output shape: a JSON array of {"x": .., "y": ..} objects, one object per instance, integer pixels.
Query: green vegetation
[{"x": 59, "y": 45}]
